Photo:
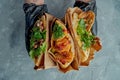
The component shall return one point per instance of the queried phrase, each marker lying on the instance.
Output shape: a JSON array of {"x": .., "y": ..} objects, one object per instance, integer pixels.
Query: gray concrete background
[{"x": 15, "y": 64}]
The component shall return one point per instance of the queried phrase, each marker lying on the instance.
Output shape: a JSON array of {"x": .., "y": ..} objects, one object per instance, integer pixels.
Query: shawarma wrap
[
  {"x": 79, "y": 24},
  {"x": 39, "y": 39},
  {"x": 62, "y": 46}
]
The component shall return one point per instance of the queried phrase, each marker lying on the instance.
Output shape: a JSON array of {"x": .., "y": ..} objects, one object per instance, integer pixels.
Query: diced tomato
[{"x": 63, "y": 61}]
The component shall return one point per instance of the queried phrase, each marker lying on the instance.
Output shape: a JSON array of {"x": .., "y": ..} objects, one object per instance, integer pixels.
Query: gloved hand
[{"x": 32, "y": 11}]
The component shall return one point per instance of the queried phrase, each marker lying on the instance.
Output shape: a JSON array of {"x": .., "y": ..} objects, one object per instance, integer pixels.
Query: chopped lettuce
[
  {"x": 81, "y": 23},
  {"x": 43, "y": 33},
  {"x": 36, "y": 36},
  {"x": 57, "y": 31},
  {"x": 85, "y": 36},
  {"x": 38, "y": 51}
]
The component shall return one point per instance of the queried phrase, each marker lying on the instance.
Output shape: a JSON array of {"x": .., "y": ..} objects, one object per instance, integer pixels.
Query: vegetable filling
[
  {"x": 37, "y": 41},
  {"x": 86, "y": 37},
  {"x": 61, "y": 45},
  {"x": 57, "y": 31}
]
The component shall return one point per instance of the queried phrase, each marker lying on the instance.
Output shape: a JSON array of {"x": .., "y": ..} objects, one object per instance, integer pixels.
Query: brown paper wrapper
[
  {"x": 68, "y": 22},
  {"x": 44, "y": 61}
]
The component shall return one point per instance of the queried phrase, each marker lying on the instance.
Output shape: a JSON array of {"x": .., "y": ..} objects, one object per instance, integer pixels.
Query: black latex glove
[{"x": 32, "y": 12}]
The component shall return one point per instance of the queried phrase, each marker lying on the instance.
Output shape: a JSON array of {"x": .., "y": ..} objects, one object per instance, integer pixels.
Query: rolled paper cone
[
  {"x": 69, "y": 25},
  {"x": 49, "y": 63}
]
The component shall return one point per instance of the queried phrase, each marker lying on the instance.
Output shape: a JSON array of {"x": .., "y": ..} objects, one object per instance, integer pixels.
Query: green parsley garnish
[
  {"x": 36, "y": 36},
  {"x": 36, "y": 52},
  {"x": 85, "y": 36},
  {"x": 57, "y": 31}
]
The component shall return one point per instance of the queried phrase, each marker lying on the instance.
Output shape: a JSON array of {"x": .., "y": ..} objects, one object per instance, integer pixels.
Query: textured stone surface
[{"x": 15, "y": 64}]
